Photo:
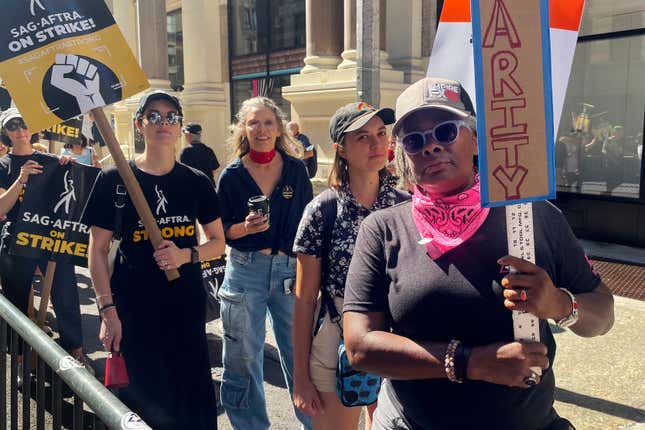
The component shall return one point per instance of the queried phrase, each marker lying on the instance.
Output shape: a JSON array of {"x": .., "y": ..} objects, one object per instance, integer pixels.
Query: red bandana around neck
[
  {"x": 447, "y": 222},
  {"x": 261, "y": 157}
]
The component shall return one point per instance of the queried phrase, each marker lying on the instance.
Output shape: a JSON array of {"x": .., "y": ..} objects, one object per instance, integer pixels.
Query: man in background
[
  {"x": 197, "y": 155},
  {"x": 310, "y": 158}
]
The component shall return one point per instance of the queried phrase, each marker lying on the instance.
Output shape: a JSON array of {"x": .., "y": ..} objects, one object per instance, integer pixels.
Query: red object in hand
[{"x": 116, "y": 375}]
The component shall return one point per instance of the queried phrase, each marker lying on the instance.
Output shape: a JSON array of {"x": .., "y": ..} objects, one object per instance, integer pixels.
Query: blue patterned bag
[{"x": 355, "y": 388}]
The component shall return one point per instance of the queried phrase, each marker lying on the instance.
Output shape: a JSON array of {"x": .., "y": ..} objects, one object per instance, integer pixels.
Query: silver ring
[{"x": 530, "y": 381}]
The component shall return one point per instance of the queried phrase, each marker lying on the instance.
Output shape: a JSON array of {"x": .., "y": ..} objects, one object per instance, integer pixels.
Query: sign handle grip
[{"x": 131, "y": 184}]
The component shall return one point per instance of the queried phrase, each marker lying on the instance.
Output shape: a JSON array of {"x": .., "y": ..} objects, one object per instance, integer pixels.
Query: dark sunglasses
[
  {"x": 155, "y": 118},
  {"x": 15, "y": 124},
  {"x": 445, "y": 133}
]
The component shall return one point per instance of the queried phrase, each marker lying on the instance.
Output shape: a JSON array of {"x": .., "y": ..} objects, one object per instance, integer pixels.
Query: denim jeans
[
  {"x": 16, "y": 275},
  {"x": 254, "y": 283}
]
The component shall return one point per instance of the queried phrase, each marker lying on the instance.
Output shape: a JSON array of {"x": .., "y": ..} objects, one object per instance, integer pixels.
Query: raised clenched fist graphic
[{"x": 86, "y": 89}]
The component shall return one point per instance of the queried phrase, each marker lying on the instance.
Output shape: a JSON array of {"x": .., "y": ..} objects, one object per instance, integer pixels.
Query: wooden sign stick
[
  {"x": 45, "y": 293},
  {"x": 131, "y": 184}
]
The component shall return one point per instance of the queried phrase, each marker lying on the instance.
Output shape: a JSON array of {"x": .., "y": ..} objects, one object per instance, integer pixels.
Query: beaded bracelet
[{"x": 449, "y": 361}]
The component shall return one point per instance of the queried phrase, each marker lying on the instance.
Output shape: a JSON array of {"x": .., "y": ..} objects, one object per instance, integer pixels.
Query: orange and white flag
[{"x": 452, "y": 52}]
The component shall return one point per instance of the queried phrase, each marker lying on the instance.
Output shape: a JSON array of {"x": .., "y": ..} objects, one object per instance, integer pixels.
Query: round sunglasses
[
  {"x": 156, "y": 118},
  {"x": 445, "y": 133},
  {"x": 15, "y": 124}
]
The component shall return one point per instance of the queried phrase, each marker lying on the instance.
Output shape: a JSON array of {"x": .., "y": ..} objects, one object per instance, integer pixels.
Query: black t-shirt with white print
[
  {"x": 10, "y": 166},
  {"x": 177, "y": 199}
]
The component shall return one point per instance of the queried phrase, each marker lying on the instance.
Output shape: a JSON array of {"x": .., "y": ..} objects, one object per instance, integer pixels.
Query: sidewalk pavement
[{"x": 600, "y": 381}]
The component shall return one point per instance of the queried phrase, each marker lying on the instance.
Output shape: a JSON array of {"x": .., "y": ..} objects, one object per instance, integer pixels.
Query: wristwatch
[
  {"x": 572, "y": 318},
  {"x": 194, "y": 255}
]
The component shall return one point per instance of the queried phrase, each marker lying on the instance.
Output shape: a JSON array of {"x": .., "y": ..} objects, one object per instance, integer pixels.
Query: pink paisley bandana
[{"x": 447, "y": 222}]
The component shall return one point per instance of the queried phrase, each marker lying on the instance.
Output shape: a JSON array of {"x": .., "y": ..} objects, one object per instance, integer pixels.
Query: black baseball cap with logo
[
  {"x": 151, "y": 96},
  {"x": 353, "y": 116}
]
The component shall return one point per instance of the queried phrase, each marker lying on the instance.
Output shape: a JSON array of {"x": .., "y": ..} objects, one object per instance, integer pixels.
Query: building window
[
  {"x": 267, "y": 45},
  {"x": 248, "y": 27},
  {"x": 175, "y": 50},
  {"x": 271, "y": 87},
  {"x": 287, "y": 24},
  {"x": 599, "y": 149}
]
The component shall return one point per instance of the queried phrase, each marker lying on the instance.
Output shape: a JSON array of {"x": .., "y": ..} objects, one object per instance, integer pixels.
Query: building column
[
  {"x": 349, "y": 54},
  {"x": 405, "y": 38},
  {"x": 205, "y": 95},
  {"x": 383, "y": 14},
  {"x": 153, "y": 41},
  {"x": 324, "y": 37},
  {"x": 349, "y": 35}
]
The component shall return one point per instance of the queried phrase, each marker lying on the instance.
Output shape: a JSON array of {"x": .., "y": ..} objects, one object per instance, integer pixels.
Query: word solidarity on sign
[
  {"x": 49, "y": 224},
  {"x": 62, "y": 58},
  {"x": 514, "y": 106}
]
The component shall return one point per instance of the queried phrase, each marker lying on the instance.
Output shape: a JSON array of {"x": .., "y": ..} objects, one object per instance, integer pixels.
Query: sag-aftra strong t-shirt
[{"x": 177, "y": 199}]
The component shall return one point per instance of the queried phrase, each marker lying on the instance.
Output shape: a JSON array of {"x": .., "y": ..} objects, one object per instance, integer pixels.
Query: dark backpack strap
[
  {"x": 402, "y": 195},
  {"x": 328, "y": 208},
  {"x": 119, "y": 204}
]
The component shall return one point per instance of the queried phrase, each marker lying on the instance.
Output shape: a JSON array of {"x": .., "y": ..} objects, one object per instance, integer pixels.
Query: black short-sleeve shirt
[
  {"x": 10, "y": 165},
  {"x": 455, "y": 297},
  {"x": 200, "y": 157},
  {"x": 287, "y": 203},
  {"x": 177, "y": 199}
]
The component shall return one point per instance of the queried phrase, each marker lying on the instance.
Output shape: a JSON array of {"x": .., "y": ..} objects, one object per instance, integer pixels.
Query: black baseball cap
[
  {"x": 353, "y": 116},
  {"x": 192, "y": 128},
  {"x": 157, "y": 95}
]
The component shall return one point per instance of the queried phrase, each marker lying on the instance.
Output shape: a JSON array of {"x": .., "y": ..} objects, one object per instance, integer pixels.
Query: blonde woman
[{"x": 260, "y": 271}]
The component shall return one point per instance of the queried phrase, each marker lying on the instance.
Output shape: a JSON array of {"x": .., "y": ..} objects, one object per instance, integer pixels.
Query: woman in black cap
[
  {"x": 158, "y": 325},
  {"x": 359, "y": 184}
]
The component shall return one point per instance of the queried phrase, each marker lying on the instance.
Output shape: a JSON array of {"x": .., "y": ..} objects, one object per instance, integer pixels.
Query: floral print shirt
[{"x": 350, "y": 214}]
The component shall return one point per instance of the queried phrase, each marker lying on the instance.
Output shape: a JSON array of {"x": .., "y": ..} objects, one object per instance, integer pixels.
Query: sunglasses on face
[
  {"x": 156, "y": 118},
  {"x": 15, "y": 124},
  {"x": 445, "y": 133}
]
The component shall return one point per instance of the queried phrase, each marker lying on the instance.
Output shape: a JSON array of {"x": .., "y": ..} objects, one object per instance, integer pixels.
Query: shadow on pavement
[{"x": 601, "y": 405}]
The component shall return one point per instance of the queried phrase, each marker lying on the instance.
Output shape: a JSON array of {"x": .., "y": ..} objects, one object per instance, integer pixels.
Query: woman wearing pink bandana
[{"x": 428, "y": 304}]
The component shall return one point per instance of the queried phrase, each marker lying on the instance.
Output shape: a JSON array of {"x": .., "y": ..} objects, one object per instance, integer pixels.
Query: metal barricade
[{"x": 40, "y": 370}]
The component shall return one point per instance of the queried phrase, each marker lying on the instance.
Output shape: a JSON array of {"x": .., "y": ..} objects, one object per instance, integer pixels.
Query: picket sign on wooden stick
[
  {"x": 131, "y": 184},
  {"x": 45, "y": 293}
]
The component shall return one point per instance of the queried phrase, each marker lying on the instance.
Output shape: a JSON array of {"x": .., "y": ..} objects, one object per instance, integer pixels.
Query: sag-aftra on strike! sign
[
  {"x": 49, "y": 224},
  {"x": 62, "y": 58}
]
